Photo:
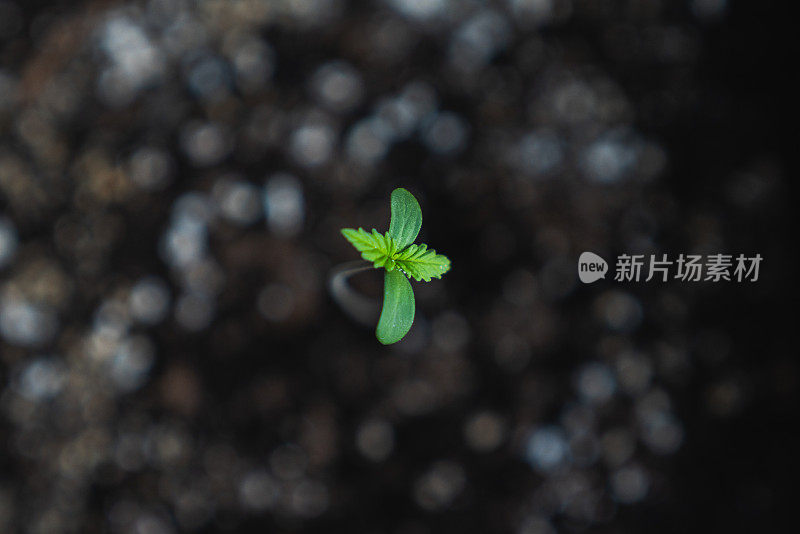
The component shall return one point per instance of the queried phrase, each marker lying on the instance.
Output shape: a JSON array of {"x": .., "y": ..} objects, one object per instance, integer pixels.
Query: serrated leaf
[
  {"x": 374, "y": 247},
  {"x": 406, "y": 218},
  {"x": 421, "y": 263},
  {"x": 396, "y": 252},
  {"x": 397, "y": 313}
]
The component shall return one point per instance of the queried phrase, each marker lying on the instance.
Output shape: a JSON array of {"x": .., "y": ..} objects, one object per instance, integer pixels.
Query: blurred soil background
[{"x": 173, "y": 177}]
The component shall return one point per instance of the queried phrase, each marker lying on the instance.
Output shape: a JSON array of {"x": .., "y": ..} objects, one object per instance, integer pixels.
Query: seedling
[{"x": 396, "y": 252}]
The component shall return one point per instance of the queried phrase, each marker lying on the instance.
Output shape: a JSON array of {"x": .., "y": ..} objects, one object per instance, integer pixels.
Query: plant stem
[{"x": 360, "y": 308}]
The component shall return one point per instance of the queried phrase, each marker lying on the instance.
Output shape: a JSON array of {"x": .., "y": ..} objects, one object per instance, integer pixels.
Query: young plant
[{"x": 396, "y": 252}]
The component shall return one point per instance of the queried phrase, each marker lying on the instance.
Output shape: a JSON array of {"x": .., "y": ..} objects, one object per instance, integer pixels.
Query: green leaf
[
  {"x": 406, "y": 218},
  {"x": 374, "y": 247},
  {"x": 396, "y": 248},
  {"x": 397, "y": 314},
  {"x": 421, "y": 263}
]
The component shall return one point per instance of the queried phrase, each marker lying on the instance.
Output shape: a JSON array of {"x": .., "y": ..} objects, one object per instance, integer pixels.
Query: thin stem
[{"x": 362, "y": 309}]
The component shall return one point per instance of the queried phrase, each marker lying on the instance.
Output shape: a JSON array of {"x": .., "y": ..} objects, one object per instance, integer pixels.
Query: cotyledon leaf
[
  {"x": 397, "y": 313},
  {"x": 406, "y": 218}
]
